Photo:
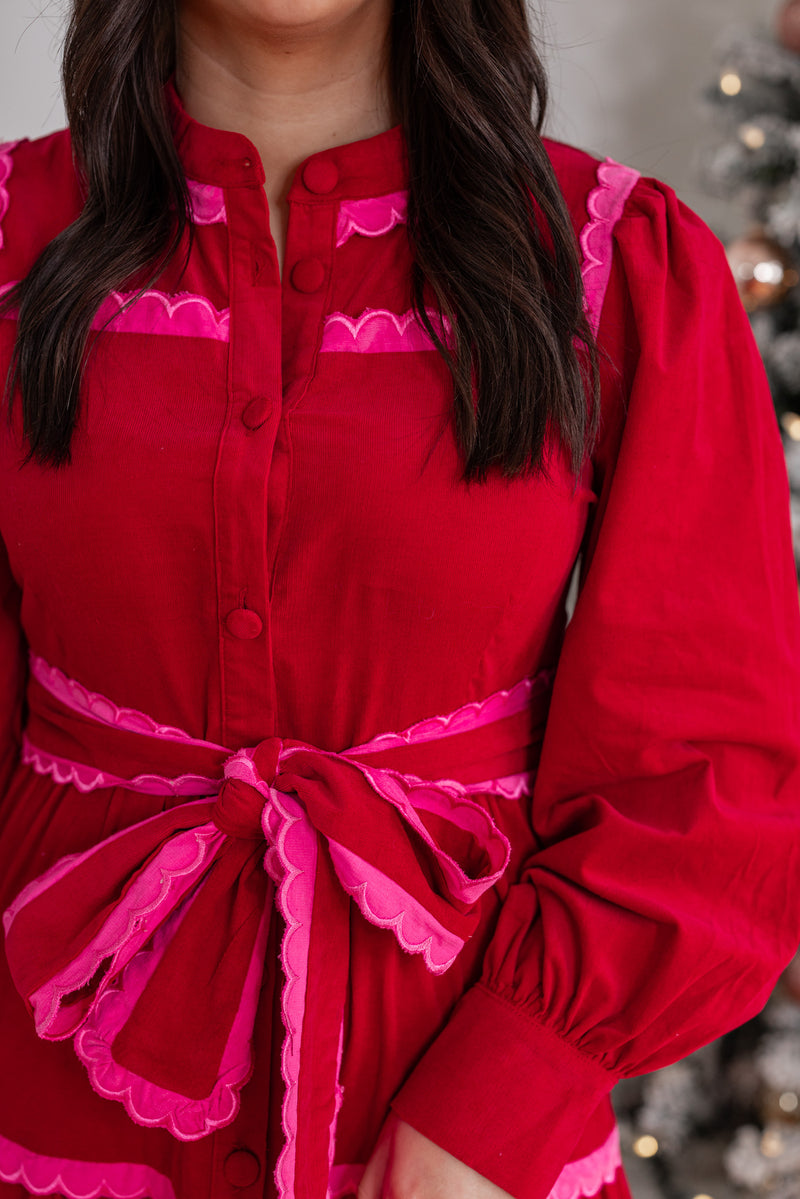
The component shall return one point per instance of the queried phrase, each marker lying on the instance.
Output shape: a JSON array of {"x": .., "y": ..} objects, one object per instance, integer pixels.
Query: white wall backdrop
[{"x": 626, "y": 78}]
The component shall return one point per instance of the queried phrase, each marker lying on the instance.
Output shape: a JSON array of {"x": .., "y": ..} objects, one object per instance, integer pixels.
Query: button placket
[{"x": 242, "y": 474}]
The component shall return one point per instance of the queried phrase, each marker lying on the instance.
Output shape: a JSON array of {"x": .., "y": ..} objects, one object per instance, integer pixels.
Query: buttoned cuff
[{"x": 503, "y": 1094}]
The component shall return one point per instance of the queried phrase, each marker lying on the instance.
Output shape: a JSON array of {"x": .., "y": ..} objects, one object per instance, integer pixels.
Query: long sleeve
[
  {"x": 12, "y": 672},
  {"x": 664, "y": 898}
]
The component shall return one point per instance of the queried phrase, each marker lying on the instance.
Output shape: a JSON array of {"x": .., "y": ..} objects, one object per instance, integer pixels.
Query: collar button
[{"x": 320, "y": 176}]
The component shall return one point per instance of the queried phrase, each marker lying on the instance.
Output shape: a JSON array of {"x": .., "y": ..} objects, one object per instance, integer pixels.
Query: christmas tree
[
  {"x": 725, "y": 1122},
  {"x": 755, "y": 102}
]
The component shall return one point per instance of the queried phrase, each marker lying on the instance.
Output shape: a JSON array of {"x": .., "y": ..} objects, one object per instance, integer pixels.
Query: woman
[{"x": 333, "y": 863}]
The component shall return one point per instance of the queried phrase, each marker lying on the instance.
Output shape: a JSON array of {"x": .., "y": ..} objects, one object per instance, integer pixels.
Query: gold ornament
[
  {"x": 788, "y": 25},
  {"x": 763, "y": 270}
]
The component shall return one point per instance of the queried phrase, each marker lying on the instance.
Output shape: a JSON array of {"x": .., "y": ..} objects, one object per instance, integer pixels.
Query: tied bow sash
[{"x": 149, "y": 949}]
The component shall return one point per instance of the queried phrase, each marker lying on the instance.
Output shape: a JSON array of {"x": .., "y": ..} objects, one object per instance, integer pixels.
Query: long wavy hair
[{"x": 488, "y": 227}]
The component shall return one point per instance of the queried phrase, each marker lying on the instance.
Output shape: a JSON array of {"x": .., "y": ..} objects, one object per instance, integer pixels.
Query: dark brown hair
[{"x": 489, "y": 229}]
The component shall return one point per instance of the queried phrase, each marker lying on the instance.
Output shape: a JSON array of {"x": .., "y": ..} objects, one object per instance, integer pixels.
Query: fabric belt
[{"x": 149, "y": 949}]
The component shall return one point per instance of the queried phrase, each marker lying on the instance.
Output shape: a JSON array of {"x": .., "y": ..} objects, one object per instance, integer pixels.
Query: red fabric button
[
  {"x": 321, "y": 176},
  {"x": 308, "y": 275},
  {"x": 257, "y": 412},
  {"x": 244, "y": 623},
  {"x": 241, "y": 1168}
]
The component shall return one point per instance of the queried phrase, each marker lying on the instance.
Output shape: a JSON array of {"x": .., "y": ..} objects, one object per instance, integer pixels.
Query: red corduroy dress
[{"x": 313, "y": 803}]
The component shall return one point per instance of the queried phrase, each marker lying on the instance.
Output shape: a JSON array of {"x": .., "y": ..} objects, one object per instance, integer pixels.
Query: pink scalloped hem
[
  {"x": 41, "y": 1175},
  {"x": 587, "y": 1176},
  {"x": 6, "y": 167},
  {"x": 604, "y": 205},
  {"x": 371, "y": 218},
  {"x": 208, "y": 203},
  {"x": 378, "y": 331},
  {"x": 158, "y": 314},
  {"x": 78, "y": 698}
]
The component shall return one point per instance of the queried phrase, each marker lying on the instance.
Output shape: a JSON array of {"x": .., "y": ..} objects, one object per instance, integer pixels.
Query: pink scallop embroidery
[
  {"x": 291, "y": 863},
  {"x": 470, "y": 716},
  {"x": 86, "y": 778},
  {"x": 155, "y": 312},
  {"x": 371, "y": 218},
  {"x": 145, "y": 1102},
  {"x": 585, "y": 1177},
  {"x": 378, "y": 331},
  {"x": 604, "y": 205},
  {"x": 296, "y": 850},
  {"x": 42, "y": 1175},
  {"x": 77, "y": 697},
  {"x": 6, "y": 167},
  {"x": 208, "y": 203}
]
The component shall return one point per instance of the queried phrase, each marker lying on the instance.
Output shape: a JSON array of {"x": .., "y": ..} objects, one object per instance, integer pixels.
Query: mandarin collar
[{"x": 372, "y": 166}]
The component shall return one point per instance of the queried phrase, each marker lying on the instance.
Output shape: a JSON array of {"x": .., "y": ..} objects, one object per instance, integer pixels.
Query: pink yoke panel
[
  {"x": 372, "y": 217},
  {"x": 157, "y": 313},
  {"x": 378, "y": 331}
]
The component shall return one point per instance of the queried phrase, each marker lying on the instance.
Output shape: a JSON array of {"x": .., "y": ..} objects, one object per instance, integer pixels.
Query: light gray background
[{"x": 626, "y": 78}]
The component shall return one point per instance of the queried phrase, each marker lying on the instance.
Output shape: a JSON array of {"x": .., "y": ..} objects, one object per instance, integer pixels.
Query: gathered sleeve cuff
[{"x": 664, "y": 898}]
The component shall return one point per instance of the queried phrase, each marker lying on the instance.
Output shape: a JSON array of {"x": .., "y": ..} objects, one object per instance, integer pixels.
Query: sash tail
[{"x": 148, "y": 950}]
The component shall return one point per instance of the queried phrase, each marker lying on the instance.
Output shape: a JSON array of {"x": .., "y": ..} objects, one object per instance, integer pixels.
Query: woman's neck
[{"x": 293, "y": 88}]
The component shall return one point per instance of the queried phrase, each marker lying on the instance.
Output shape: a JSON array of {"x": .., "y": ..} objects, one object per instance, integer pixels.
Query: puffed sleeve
[
  {"x": 12, "y": 672},
  {"x": 664, "y": 898}
]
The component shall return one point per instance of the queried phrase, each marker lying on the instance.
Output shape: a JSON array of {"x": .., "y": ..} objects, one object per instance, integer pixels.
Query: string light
[
  {"x": 731, "y": 83},
  {"x": 753, "y": 136},
  {"x": 788, "y": 1101},
  {"x": 791, "y": 424},
  {"x": 770, "y": 271},
  {"x": 772, "y": 1144},
  {"x": 646, "y": 1146}
]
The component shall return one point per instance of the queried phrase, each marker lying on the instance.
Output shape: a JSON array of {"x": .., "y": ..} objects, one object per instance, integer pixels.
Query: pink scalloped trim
[
  {"x": 604, "y": 205},
  {"x": 296, "y": 846},
  {"x": 146, "y": 1103},
  {"x": 586, "y": 1176},
  {"x": 470, "y": 716},
  {"x": 40, "y": 1175},
  {"x": 6, "y": 167},
  {"x": 164, "y": 883},
  {"x": 446, "y": 798},
  {"x": 371, "y": 218},
  {"x": 378, "y": 331},
  {"x": 384, "y": 903},
  {"x": 78, "y": 698},
  {"x": 86, "y": 778},
  {"x": 208, "y": 203},
  {"x": 156, "y": 313}
]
